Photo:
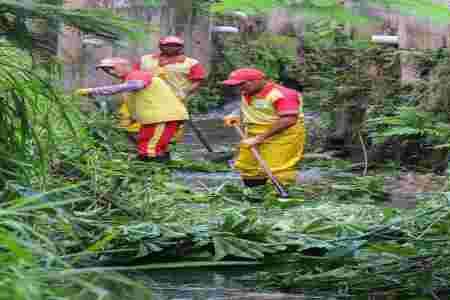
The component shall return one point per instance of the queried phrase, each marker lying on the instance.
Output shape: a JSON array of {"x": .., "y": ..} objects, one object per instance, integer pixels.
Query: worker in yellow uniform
[
  {"x": 183, "y": 74},
  {"x": 151, "y": 103},
  {"x": 273, "y": 122}
]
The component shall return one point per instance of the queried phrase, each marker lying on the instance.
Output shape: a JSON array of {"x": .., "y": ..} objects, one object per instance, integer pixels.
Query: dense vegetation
[{"x": 77, "y": 207}]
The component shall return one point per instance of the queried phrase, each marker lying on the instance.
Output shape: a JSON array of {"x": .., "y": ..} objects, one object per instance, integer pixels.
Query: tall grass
[
  {"x": 31, "y": 266},
  {"x": 33, "y": 111}
]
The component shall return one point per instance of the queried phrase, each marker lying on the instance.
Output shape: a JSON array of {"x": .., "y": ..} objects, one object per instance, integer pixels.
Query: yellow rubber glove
[
  {"x": 231, "y": 121},
  {"x": 82, "y": 92}
]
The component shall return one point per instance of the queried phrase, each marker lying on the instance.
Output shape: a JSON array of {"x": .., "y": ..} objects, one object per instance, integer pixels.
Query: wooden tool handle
[
  {"x": 200, "y": 136},
  {"x": 264, "y": 165}
]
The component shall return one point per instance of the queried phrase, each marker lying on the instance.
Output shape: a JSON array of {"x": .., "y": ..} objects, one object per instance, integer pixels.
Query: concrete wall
[
  {"x": 413, "y": 32},
  {"x": 80, "y": 57}
]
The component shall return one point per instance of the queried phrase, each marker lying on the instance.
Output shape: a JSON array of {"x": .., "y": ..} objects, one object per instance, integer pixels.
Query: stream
[
  {"x": 231, "y": 283},
  {"x": 235, "y": 283}
]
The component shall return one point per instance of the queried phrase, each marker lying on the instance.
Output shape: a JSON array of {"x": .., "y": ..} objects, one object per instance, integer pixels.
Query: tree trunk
[
  {"x": 167, "y": 17},
  {"x": 177, "y": 18},
  {"x": 45, "y": 42},
  {"x": 70, "y": 50},
  {"x": 407, "y": 41},
  {"x": 188, "y": 29},
  {"x": 301, "y": 48}
]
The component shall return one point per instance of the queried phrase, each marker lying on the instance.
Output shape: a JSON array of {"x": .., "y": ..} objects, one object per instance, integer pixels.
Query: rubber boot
[
  {"x": 254, "y": 182},
  {"x": 165, "y": 158}
]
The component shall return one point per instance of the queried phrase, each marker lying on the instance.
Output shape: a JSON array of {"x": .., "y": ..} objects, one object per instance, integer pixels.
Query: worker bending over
[{"x": 151, "y": 103}]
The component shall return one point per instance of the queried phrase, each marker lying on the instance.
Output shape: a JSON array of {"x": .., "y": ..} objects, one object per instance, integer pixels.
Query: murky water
[
  {"x": 236, "y": 283},
  {"x": 219, "y": 137},
  {"x": 203, "y": 284},
  {"x": 239, "y": 283},
  {"x": 405, "y": 189},
  {"x": 198, "y": 284}
]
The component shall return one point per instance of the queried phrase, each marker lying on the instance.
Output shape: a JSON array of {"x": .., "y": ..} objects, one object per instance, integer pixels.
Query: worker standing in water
[
  {"x": 273, "y": 122},
  {"x": 182, "y": 73},
  {"x": 151, "y": 103}
]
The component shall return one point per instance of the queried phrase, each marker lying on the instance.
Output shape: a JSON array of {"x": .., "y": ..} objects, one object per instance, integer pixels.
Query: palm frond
[
  {"x": 22, "y": 117},
  {"x": 16, "y": 17}
]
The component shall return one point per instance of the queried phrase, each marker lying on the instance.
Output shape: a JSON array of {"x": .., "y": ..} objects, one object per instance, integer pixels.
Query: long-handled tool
[
  {"x": 264, "y": 165},
  {"x": 200, "y": 136},
  {"x": 212, "y": 155}
]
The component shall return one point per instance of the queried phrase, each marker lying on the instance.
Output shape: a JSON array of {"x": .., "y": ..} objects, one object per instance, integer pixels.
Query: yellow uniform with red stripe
[
  {"x": 156, "y": 104},
  {"x": 176, "y": 74},
  {"x": 158, "y": 111},
  {"x": 283, "y": 151}
]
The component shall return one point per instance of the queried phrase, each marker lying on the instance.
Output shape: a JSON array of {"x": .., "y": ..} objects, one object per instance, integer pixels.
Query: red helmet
[
  {"x": 242, "y": 75},
  {"x": 171, "y": 40}
]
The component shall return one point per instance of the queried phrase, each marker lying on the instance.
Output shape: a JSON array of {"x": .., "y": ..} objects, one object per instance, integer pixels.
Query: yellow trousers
[
  {"x": 282, "y": 152},
  {"x": 132, "y": 126}
]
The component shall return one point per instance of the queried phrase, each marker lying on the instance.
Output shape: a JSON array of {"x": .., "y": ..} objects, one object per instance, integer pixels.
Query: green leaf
[
  {"x": 232, "y": 246},
  {"x": 388, "y": 213},
  {"x": 346, "y": 251},
  {"x": 285, "y": 202},
  {"x": 219, "y": 248},
  {"x": 393, "y": 248},
  {"x": 103, "y": 242}
]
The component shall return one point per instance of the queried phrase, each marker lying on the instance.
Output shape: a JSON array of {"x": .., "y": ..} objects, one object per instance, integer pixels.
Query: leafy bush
[{"x": 410, "y": 122}]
